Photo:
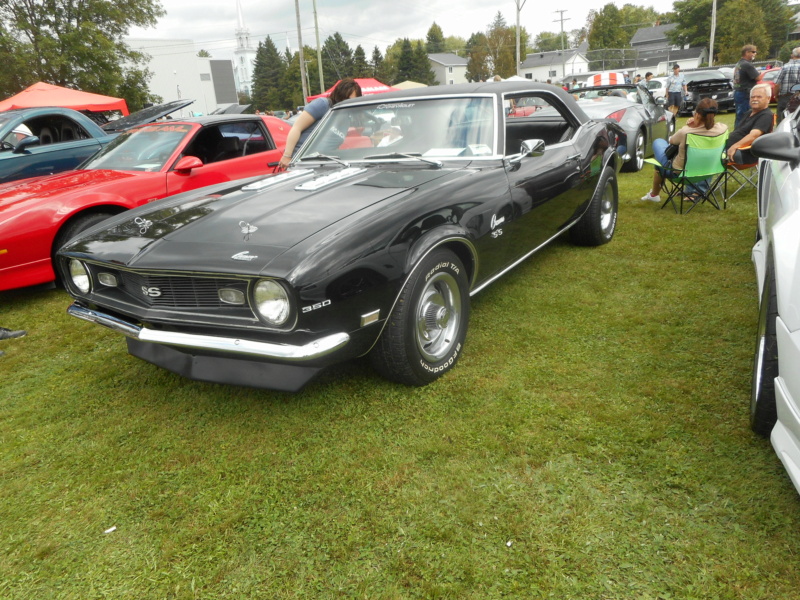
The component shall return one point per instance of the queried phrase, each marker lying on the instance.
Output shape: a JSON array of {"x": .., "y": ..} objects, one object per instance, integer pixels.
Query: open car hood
[{"x": 146, "y": 115}]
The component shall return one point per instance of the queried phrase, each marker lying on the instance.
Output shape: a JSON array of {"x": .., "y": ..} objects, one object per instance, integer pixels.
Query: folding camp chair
[
  {"x": 744, "y": 175},
  {"x": 701, "y": 174}
]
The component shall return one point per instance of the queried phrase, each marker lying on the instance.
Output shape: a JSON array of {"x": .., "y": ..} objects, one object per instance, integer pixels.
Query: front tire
[
  {"x": 424, "y": 334},
  {"x": 636, "y": 163},
  {"x": 597, "y": 225},
  {"x": 763, "y": 412}
]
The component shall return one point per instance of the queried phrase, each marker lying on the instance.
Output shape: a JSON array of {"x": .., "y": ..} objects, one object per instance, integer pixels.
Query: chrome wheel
[
  {"x": 608, "y": 212},
  {"x": 438, "y": 316},
  {"x": 639, "y": 158}
]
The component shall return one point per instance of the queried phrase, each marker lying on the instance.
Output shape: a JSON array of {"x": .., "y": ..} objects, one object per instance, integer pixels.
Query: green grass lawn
[{"x": 593, "y": 443}]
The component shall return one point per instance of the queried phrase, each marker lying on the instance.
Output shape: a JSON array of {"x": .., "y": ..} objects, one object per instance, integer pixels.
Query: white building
[
  {"x": 179, "y": 73},
  {"x": 554, "y": 65},
  {"x": 244, "y": 57},
  {"x": 448, "y": 69}
]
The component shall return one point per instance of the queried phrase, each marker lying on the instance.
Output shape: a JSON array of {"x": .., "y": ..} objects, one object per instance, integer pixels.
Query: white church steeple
[{"x": 244, "y": 56}]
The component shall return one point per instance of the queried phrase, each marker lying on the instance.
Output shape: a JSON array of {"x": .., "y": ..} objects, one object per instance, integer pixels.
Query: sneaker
[
  {"x": 655, "y": 198},
  {"x": 7, "y": 334}
]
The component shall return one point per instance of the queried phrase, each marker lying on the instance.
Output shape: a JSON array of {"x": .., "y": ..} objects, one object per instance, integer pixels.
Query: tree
[
  {"x": 422, "y": 66},
  {"x": 337, "y": 58},
  {"x": 607, "y": 38},
  {"x": 547, "y": 42},
  {"x": 405, "y": 62},
  {"x": 361, "y": 67},
  {"x": 435, "y": 40},
  {"x": 204, "y": 54},
  {"x": 478, "y": 68},
  {"x": 454, "y": 44},
  {"x": 74, "y": 43},
  {"x": 268, "y": 70},
  {"x": 739, "y": 22},
  {"x": 501, "y": 44},
  {"x": 692, "y": 20}
]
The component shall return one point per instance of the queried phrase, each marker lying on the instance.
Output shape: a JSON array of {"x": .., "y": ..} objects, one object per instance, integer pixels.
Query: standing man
[
  {"x": 789, "y": 76},
  {"x": 676, "y": 89},
  {"x": 745, "y": 76}
]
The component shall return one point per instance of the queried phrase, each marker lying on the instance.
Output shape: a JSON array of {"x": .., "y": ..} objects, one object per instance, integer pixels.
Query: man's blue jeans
[{"x": 741, "y": 99}]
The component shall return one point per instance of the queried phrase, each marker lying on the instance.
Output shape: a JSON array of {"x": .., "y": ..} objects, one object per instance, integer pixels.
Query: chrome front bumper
[{"x": 236, "y": 346}]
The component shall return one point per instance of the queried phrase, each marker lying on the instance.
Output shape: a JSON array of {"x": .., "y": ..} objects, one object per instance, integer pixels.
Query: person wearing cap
[
  {"x": 702, "y": 123},
  {"x": 676, "y": 89},
  {"x": 626, "y": 77},
  {"x": 745, "y": 77}
]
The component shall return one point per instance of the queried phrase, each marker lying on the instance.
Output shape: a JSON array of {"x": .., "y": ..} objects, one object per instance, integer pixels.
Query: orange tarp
[{"x": 44, "y": 94}]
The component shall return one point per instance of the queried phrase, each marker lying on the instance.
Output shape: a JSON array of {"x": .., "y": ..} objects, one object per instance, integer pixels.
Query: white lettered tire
[{"x": 424, "y": 335}]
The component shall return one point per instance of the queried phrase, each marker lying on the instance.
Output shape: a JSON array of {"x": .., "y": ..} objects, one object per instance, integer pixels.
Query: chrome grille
[{"x": 177, "y": 292}]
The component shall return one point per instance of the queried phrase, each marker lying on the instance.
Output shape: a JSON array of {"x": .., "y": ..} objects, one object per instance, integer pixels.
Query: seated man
[{"x": 755, "y": 124}]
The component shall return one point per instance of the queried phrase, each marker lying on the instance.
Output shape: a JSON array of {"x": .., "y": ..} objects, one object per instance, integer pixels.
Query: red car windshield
[{"x": 142, "y": 149}]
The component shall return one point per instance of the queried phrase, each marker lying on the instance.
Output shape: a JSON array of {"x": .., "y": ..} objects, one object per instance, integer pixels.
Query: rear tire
[
  {"x": 424, "y": 334},
  {"x": 597, "y": 225},
  {"x": 636, "y": 163},
  {"x": 763, "y": 412}
]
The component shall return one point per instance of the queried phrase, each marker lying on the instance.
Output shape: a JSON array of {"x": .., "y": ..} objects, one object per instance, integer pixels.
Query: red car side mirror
[{"x": 186, "y": 164}]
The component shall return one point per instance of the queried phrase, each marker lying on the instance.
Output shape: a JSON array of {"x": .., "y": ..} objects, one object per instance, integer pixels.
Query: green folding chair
[{"x": 698, "y": 181}]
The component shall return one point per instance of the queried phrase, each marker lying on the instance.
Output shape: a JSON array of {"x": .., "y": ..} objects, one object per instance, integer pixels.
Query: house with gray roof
[
  {"x": 448, "y": 69},
  {"x": 554, "y": 65}
]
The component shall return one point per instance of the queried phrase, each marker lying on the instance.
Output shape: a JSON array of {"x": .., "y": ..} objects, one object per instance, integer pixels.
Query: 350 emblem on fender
[{"x": 152, "y": 292}]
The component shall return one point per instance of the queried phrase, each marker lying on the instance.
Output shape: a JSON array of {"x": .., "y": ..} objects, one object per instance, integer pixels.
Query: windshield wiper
[
  {"x": 414, "y": 155},
  {"x": 318, "y": 156}
]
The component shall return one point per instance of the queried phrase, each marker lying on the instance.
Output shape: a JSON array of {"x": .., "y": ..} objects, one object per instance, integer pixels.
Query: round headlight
[
  {"x": 272, "y": 302},
  {"x": 79, "y": 275}
]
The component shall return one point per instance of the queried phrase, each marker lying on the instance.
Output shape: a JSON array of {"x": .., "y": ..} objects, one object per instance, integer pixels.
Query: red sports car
[
  {"x": 38, "y": 215},
  {"x": 769, "y": 76}
]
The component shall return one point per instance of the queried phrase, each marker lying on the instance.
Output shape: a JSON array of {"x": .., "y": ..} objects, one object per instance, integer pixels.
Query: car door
[
  {"x": 654, "y": 115},
  {"x": 63, "y": 145},
  {"x": 547, "y": 187},
  {"x": 230, "y": 150}
]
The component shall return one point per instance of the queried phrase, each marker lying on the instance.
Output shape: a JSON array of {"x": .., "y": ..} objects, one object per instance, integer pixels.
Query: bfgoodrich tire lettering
[
  {"x": 598, "y": 223},
  {"x": 763, "y": 413},
  {"x": 424, "y": 335}
]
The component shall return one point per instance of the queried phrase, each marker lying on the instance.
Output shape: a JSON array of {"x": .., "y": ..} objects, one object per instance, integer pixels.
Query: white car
[
  {"x": 775, "y": 399},
  {"x": 657, "y": 87}
]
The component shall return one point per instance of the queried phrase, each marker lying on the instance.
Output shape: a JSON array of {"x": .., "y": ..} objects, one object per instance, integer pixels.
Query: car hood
[
  {"x": 709, "y": 84},
  {"x": 242, "y": 228},
  {"x": 68, "y": 183}
]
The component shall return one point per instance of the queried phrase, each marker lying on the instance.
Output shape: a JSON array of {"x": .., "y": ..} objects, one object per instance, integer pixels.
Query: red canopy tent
[
  {"x": 368, "y": 86},
  {"x": 44, "y": 94}
]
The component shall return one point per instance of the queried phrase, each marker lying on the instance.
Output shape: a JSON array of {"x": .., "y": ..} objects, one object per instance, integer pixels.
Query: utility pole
[
  {"x": 519, "y": 4},
  {"x": 713, "y": 29},
  {"x": 563, "y": 54},
  {"x": 319, "y": 51},
  {"x": 302, "y": 60}
]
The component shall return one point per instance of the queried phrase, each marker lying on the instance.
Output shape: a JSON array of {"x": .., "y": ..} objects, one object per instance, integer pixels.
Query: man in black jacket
[{"x": 754, "y": 124}]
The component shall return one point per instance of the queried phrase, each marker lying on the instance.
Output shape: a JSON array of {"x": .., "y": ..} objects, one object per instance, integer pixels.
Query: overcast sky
[{"x": 211, "y": 23}]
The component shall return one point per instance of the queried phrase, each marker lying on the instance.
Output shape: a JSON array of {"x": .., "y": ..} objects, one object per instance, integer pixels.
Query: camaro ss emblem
[
  {"x": 496, "y": 221},
  {"x": 152, "y": 292},
  {"x": 247, "y": 229},
  {"x": 244, "y": 256}
]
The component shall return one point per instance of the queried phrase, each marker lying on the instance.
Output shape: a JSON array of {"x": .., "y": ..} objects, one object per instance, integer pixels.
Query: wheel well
[
  {"x": 94, "y": 210},
  {"x": 466, "y": 256}
]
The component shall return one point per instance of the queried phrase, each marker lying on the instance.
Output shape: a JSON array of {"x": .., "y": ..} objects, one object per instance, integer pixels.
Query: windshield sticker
[{"x": 396, "y": 105}]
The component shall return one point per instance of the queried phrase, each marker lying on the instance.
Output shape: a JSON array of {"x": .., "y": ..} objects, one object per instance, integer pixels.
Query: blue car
[{"x": 43, "y": 141}]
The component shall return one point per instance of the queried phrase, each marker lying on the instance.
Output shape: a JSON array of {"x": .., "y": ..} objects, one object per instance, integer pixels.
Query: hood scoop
[
  {"x": 326, "y": 180},
  {"x": 270, "y": 181}
]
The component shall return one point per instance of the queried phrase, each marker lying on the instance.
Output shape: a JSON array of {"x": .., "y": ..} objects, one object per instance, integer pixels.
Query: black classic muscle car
[{"x": 397, "y": 209}]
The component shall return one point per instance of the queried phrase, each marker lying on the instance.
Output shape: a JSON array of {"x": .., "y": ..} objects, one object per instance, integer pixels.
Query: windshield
[
  {"x": 703, "y": 76},
  {"x": 433, "y": 128},
  {"x": 144, "y": 149}
]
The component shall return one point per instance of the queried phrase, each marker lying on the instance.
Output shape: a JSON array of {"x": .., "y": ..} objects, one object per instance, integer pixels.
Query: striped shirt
[{"x": 789, "y": 76}]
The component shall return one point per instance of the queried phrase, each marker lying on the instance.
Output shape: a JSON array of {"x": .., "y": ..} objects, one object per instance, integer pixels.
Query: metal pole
[
  {"x": 713, "y": 29},
  {"x": 519, "y": 9},
  {"x": 319, "y": 51},
  {"x": 563, "y": 53},
  {"x": 302, "y": 59}
]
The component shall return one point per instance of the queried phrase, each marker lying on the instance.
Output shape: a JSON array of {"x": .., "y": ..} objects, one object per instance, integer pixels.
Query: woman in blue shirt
[{"x": 313, "y": 112}]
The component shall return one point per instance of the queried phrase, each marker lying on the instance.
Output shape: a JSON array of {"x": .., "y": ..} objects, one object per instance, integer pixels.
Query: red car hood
[{"x": 70, "y": 182}]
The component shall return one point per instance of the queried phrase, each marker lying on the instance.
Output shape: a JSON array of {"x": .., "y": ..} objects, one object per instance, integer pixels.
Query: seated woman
[{"x": 701, "y": 123}]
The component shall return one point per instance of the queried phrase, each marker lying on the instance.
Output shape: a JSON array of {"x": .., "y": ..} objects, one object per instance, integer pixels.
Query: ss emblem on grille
[{"x": 153, "y": 292}]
